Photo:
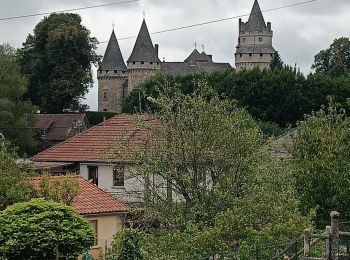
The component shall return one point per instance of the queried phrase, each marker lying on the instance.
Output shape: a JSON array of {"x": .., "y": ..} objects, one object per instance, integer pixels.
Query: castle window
[
  {"x": 151, "y": 63},
  {"x": 142, "y": 62},
  {"x": 243, "y": 40},
  {"x": 116, "y": 71},
  {"x": 107, "y": 71},
  {"x": 157, "y": 63},
  {"x": 261, "y": 54},
  {"x": 118, "y": 176},
  {"x": 250, "y": 54},
  {"x": 240, "y": 55},
  {"x": 271, "y": 54},
  {"x": 105, "y": 110},
  {"x": 134, "y": 63},
  {"x": 105, "y": 95},
  {"x": 260, "y": 39}
]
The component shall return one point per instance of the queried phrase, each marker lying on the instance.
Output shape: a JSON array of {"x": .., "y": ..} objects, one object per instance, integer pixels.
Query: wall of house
[
  {"x": 133, "y": 191},
  {"x": 107, "y": 227}
]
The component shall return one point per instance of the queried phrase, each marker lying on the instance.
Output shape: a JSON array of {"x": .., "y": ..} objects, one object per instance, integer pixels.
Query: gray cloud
[{"x": 300, "y": 32}]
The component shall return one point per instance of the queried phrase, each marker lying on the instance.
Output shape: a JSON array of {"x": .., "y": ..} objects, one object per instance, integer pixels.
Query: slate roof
[
  {"x": 256, "y": 20},
  {"x": 188, "y": 68},
  {"x": 264, "y": 49},
  {"x": 113, "y": 58},
  {"x": 144, "y": 49},
  {"x": 100, "y": 143},
  {"x": 90, "y": 199},
  {"x": 59, "y": 127}
]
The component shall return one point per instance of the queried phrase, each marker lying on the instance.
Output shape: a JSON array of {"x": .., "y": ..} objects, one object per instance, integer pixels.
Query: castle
[{"x": 116, "y": 80}]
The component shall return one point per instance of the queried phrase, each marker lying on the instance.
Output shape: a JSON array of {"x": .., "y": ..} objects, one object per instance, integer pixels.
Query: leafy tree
[
  {"x": 15, "y": 119},
  {"x": 13, "y": 185},
  {"x": 58, "y": 59},
  {"x": 126, "y": 246},
  {"x": 42, "y": 229},
  {"x": 334, "y": 61},
  {"x": 321, "y": 157},
  {"x": 276, "y": 62},
  {"x": 212, "y": 166}
]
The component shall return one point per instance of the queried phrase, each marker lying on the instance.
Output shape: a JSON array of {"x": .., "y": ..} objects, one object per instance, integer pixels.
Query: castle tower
[
  {"x": 254, "y": 47},
  {"x": 112, "y": 78},
  {"x": 143, "y": 61}
]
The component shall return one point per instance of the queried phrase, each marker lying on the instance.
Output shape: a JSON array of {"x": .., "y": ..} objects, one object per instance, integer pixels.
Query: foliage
[
  {"x": 62, "y": 189},
  {"x": 321, "y": 154},
  {"x": 42, "y": 229},
  {"x": 57, "y": 60},
  {"x": 276, "y": 62},
  {"x": 15, "y": 122},
  {"x": 334, "y": 61},
  {"x": 216, "y": 186},
  {"x": 125, "y": 246},
  {"x": 13, "y": 185},
  {"x": 280, "y": 96},
  {"x": 96, "y": 118}
]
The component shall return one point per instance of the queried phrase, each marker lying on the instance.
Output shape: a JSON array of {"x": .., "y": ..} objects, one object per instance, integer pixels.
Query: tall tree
[
  {"x": 276, "y": 62},
  {"x": 334, "y": 61},
  {"x": 321, "y": 157},
  {"x": 15, "y": 119},
  {"x": 58, "y": 59},
  {"x": 211, "y": 157}
]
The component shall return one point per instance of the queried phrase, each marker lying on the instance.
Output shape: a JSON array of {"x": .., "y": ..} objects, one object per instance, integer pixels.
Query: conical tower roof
[
  {"x": 113, "y": 58},
  {"x": 256, "y": 20},
  {"x": 144, "y": 50}
]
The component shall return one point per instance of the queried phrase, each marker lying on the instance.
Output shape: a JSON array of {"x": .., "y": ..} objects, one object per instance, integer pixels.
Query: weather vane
[
  {"x": 144, "y": 15},
  {"x": 203, "y": 47},
  {"x": 195, "y": 45},
  {"x": 113, "y": 25}
]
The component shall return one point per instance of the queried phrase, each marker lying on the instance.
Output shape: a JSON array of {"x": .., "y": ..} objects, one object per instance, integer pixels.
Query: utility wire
[
  {"x": 217, "y": 21},
  {"x": 67, "y": 10}
]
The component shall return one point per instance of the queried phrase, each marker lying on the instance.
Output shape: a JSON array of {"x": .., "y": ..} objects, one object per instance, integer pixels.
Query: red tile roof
[
  {"x": 91, "y": 199},
  {"x": 99, "y": 143}
]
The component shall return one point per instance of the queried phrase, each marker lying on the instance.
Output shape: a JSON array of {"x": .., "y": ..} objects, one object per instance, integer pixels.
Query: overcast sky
[{"x": 299, "y": 32}]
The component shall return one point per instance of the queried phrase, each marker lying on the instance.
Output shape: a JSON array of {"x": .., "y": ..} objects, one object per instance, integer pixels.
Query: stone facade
[
  {"x": 112, "y": 90},
  {"x": 139, "y": 72},
  {"x": 254, "y": 47}
]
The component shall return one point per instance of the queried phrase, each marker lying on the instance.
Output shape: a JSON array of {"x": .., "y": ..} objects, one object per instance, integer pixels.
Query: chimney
[
  {"x": 269, "y": 26},
  {"x": 156, "y": 47}
]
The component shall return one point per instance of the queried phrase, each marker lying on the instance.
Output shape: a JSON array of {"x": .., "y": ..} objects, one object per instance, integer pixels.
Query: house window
[
  {"x": 93, "y": 174},
  {"x": 260, "y": 39},
  {"x": 105, "y": 95},
  {"x": 94, "y": 227},
  {"x": 118, "y": 176}
]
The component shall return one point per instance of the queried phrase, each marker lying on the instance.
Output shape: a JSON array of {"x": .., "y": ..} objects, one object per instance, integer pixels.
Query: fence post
[
  {"x": 328, "y": 241},
  {"x": 334, "y": 235},
  {"x": 307, "y": 240}
]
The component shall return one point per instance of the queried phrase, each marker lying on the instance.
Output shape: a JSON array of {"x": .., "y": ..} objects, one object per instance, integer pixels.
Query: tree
[
  {"x": 321, "y": 154},
  {"x": 210, "y": 156},
  {"x": 15, "y": 119},
  {"x": 13, "y": 185},
  {"x": 276, "y": 62},
  {"x": 57, "y": 60},
  {"x": 125, "y": 246},
  {"x": 41, "y": 229},
  {"x": 334, "y": 61}
]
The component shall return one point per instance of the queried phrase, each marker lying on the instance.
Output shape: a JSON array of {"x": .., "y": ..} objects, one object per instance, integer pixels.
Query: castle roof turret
[
  {"x": 256, "y": 20},
  {"x": 144, "y": 51},
  {"x": 113, "y": 58}
]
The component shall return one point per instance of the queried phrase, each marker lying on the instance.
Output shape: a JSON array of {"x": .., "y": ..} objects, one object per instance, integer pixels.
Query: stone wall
[
  {"x": 139, "y": 72},
  {"x": 114, "y": 84}
]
